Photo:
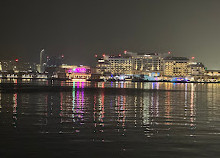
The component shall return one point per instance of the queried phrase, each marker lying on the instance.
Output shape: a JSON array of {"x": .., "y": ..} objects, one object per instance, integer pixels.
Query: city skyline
[{"x": 82, "y": 29}]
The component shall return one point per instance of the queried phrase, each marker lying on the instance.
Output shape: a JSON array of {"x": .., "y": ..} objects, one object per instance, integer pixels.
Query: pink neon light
[
  {"x": 80, "y": 70},
  {"x": 70, "y": 71}
]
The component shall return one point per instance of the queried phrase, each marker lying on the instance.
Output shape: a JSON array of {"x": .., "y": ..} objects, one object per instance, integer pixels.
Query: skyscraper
[{"x": 43, "y": 60}]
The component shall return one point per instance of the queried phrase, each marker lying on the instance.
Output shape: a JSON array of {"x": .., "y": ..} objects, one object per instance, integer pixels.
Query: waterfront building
[
  {"x": 120, "y": 65},
  {"x": 16, "y": 66},
  {"x": 64, "y": 70},
  {"x": 103, "y": 67},
  {"x": 150, "y": 65},
  {"x": 79, "y": 73},
  {"x": 115, "y": 65},
  {"x": 196, "y": 69},
  {"x": 130, "y": 63},
  {"x": 176, "y": 66},
  {"x": 7, "y": 65},
  {"x": 212, "y": 73},
  {"x": 146, "y": 63},
  {"x": 66, "y": 67}
]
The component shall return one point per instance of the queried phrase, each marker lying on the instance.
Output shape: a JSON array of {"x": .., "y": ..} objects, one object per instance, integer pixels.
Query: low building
[
  {"x": 7, "y": 65},
  {"x": 17, "y": 66},
  {"x": 79, "y": 73},
  {"x": 196, "y": 69},
  {"x": 212, "y": 72}
]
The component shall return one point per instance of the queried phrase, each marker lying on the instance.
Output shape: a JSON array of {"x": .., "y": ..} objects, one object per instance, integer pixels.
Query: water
[{"x": 114, "y": 120}]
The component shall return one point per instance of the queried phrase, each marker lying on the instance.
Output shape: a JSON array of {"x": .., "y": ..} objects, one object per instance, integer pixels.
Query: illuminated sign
[
  {"x": 101, "y": 61},
  {"x": 79, "y": 70}
]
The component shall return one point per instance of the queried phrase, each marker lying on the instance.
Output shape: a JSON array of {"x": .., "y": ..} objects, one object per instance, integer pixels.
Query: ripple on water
[{"x": 172, "y": 120}]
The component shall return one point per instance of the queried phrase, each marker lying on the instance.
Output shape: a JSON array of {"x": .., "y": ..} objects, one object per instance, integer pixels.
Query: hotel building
[
  {"x": 145, "y": 63},
  {"x": 176, "y": 66},
  {"x": 196, "y": 69},
  {"x": 129, "y": 63},
  {"x": 115, "y": 65}
]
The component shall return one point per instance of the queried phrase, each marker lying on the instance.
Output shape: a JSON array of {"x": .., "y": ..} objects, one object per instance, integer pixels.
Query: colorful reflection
[{"x": 104, "y": 115}]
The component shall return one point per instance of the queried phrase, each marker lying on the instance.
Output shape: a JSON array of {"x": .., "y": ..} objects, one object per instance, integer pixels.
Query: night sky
[{"x": 80, "y": 29}]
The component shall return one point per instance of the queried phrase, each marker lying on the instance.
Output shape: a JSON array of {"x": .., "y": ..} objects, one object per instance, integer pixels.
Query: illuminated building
[
  {"x": 79, "y": 73},
  {"x": 212, "y": 73},
  {"x": 38, "y": 67},
  {"x": 196, "y": 69},
  {"x": 43, "y": 61},
  {"x": 130, "y": 63},
  {"x": 103, "y": 67},
  {"x": 119, "y": 65},
  {"x": 16, "y": 66},
  {"x": 68, "y": 66},
  {"x": 7, "y": 65},
  {"x": 115, "y": 65},
  {"x": 211, "y": 76},
  {"x": 64, "y": 70},
  {"x": 144, "y": 63},
  {"x": 176, "y": 66}
]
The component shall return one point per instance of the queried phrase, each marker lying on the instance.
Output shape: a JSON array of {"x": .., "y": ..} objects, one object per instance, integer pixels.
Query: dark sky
[{"x": 79, "y": 29}]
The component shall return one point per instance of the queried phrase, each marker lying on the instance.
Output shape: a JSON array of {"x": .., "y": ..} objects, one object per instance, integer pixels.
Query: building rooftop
[
  {"x": 212, "y": 70},
  {"x": 196, "y": 65},
  {"x": 176, "y": 58},
  {"x": 118, "y": 56},
  {"x": 147, "y": 54}
]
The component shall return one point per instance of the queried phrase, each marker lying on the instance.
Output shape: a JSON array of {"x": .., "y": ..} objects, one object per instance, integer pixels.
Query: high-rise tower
[{"x": 43, "y": 60}]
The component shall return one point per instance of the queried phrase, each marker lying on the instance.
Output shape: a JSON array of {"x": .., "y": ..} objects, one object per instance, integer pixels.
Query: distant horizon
[{"x": 99, "y": 55}]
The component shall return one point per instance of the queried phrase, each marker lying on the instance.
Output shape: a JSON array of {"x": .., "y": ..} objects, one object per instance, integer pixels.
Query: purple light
[
  {"x": 80, "y": 70},
  {"x": 70, "y": 71}
]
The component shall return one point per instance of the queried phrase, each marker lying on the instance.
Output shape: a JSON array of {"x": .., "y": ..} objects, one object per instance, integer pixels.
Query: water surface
[{"x": 121, "y": 119}]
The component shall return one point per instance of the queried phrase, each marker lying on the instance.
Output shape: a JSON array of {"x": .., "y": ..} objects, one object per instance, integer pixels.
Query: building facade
[
  {"x": 43, "y": 61},
  {"x": 212, "y": 73},
  {"x": 103, "y": 67},
  {"x": 130, "y": 63},
  {"x": 146, "y": 63},
  {"x": 79, "y": 73},
  {"x": 196, "y": 69},
  {"x": 176, "y": 66},
  {"x": 115, "y": 65}
]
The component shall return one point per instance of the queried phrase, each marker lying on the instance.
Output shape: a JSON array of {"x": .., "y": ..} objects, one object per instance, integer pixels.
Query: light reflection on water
[{"x": 179, "y": 118}]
